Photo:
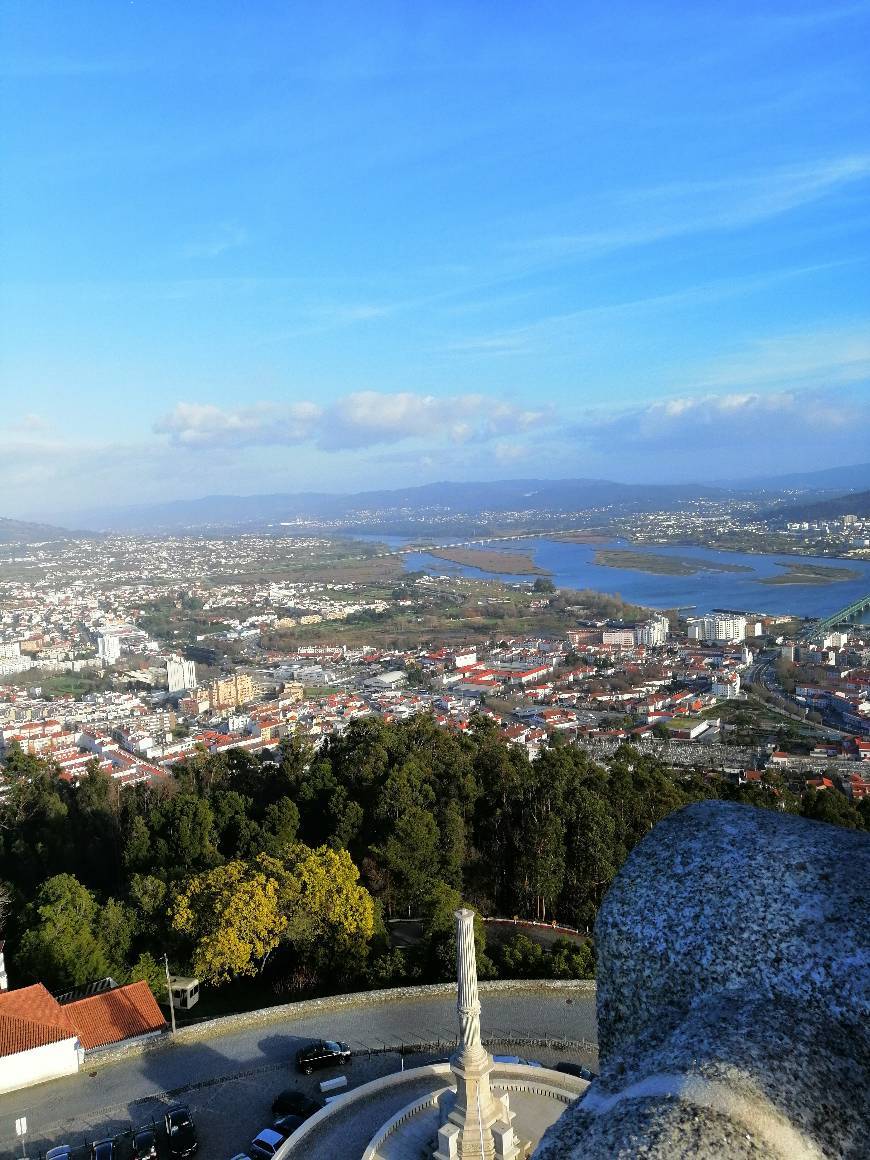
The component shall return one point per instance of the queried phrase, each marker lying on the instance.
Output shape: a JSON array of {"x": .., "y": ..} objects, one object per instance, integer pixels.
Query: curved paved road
[{"x": 230, "y": 1107}]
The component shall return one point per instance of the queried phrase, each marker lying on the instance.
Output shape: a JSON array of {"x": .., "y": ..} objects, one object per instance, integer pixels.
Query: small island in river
[
  {"x": 809, "y": 573},
  {"x": 662, "y": 565},
  {"x": 488, "y": 560},
  {"x": 590, "y": 537}
]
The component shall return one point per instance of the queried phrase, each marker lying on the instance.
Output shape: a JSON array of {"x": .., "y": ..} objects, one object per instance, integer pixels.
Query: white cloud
[
  {"x": 727, "y": 422},
  {"x": 28, "y": 423},
  {"x": 204, "y": 425},
  {"x": 359, "y": 419},
  {"x": 223, "y": 237}
]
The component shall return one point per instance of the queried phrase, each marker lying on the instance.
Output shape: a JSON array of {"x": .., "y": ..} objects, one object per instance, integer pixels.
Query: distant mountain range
[
  {"x": 501, "y": 496},
  {"x": 855, "y": 503},
  {"x": 855, "y": 477},
  {"x": 20, "y": 531},
  {"x": 400, "y": 508}
]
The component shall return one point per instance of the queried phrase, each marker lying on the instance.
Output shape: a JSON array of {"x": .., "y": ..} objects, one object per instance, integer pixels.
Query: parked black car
[
  {"x": 575, "y": 1069},
  {"x": 180, "y": 1131},
  {"x": 292, "y": 1102},
  {"x": 144, "y": 1144},
  {"x": 61, "y": 1152},
  {"x": 322, "y": 1053},
  {"x": 103, "y": 1150},
  {"x": 288, "y": 1124}
]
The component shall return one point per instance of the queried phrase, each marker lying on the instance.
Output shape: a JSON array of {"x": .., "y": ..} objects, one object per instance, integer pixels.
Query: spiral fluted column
[{"x": 467, "y": 1132}]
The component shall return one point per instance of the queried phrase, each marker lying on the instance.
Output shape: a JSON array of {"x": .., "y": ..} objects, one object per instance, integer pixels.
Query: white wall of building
[
  {"x": 108, "y": 647},
  {"x": 653, "y": 632},
  {"x": 25, "y": 1068},
  {"x": 726, "y": 686},
  {"x": 720, "y": 628},
  {"x": 180, "y": 674}
]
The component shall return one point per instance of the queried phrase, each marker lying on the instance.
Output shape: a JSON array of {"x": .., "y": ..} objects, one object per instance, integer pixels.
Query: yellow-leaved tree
[
  {"x": 330, "y": 917},
  {"x": 232, "y": 917}
]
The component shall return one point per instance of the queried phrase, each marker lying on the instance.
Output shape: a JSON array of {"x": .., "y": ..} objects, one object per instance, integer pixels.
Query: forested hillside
[
  {"x": 856, "y": 503},
  {"x": 290, "y": 867}
]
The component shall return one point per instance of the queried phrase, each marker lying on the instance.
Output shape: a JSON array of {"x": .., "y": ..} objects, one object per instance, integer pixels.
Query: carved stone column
[{"x": 474, "y": 1110}]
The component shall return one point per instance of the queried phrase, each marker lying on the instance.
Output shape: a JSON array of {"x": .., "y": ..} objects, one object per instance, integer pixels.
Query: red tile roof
[
  {"x": 29, "y": 1018},
  {"x": 115, "y": 1015}
]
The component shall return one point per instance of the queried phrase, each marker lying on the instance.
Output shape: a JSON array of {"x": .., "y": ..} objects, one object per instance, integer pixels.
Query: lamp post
[{"x": 169, "y": 992}]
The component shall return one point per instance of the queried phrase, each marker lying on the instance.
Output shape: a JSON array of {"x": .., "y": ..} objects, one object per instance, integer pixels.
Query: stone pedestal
[
  {"x": 507, "y": 1146},
  {"x": 448, "y": 1142}
]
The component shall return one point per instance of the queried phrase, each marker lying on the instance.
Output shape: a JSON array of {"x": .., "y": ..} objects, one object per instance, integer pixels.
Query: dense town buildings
[{"x": 141, "y": 705}]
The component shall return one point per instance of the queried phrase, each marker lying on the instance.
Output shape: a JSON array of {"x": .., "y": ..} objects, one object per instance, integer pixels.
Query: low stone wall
[{"x": 288, "y": 1012}]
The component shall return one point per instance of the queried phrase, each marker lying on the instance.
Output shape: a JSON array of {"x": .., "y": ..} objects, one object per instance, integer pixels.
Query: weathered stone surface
[{"x": 733, "y": 958}]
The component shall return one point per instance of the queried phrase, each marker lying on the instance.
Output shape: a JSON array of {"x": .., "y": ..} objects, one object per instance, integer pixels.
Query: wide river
[{"x": 573, "y": 566}]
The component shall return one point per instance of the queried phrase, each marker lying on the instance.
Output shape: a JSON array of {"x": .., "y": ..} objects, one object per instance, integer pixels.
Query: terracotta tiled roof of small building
[
  {"x": 115, "y": 1015},
  {"x": 29, "y": 1018}
]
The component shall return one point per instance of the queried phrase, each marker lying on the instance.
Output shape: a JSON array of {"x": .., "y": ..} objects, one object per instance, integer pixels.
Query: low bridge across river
[{"x": 858, "y": 612}]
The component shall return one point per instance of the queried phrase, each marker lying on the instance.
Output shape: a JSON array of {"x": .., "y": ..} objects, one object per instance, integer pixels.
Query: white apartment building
[
  {"x": 10, "y": 650},
  {"x": 12, "y": 665},
  {"x": 618, "y": 637},
  {"x": 727, "y": 685},
  {"x": 108, "y": 647},
  {"x": 180, "y": 674},
  {"x": 718, "y": 627},
  {"x": 653, "y": 633},
  {"x": 836, "y": 640}
]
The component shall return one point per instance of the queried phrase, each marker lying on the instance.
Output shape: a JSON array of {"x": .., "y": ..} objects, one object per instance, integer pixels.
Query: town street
[{"x": 229, "y": 1080}]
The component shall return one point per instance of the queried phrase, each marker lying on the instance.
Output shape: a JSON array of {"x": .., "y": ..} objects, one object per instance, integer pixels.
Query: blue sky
[{"x": 280, "y": 246}]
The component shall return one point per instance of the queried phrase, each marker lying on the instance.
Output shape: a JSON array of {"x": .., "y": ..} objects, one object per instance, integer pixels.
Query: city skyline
[{"x": 341, "y": 251}]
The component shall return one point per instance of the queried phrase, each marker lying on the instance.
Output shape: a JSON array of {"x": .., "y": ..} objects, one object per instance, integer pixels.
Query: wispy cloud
[
  {"x": 27, "y": 423},
  {"x": 357, "y": 420},
  {"x": 643, "y": 216},
  {"x": 530, "y": 336},
  {"x": 832, "y": 357},
  {"x": 221, "y": 238}
]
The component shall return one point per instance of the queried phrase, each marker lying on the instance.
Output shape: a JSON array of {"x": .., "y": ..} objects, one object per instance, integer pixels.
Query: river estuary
[{"x": 573, "y": 566}]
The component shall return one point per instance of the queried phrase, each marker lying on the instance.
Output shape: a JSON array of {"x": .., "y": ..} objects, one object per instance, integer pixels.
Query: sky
[{"x": 287, "y": 246}]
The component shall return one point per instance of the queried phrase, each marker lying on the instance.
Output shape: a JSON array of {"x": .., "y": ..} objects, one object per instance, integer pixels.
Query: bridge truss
[{"x": 852, "y": 614}]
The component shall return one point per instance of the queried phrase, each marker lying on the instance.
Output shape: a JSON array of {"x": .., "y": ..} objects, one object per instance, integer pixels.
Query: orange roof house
[
  {"x": 30, "y": 1018},
  {"x": 41, "y": 1039},
  {"x": 112, "y": 1016}
]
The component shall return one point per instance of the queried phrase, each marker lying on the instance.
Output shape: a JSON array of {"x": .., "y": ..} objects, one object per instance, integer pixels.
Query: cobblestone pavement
[{"x": 229, "y": 1080}]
